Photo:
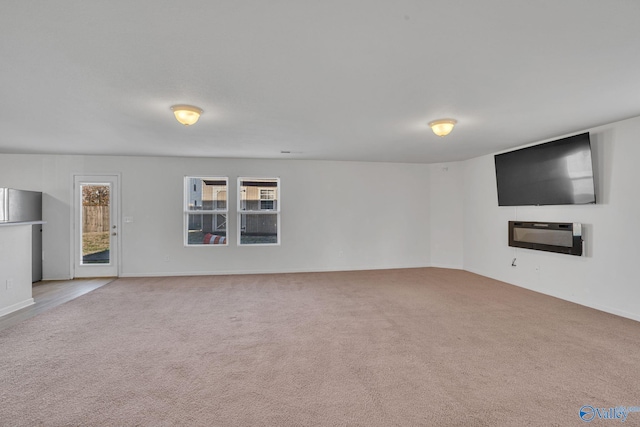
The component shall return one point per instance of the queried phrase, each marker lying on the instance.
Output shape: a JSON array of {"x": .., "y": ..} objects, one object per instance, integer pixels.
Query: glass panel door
[{"x": 96, "y": 226}]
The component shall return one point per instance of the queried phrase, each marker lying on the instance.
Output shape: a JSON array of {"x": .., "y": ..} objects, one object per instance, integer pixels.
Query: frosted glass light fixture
[
  {"x": 442, "y": 127},
  {"x": 186, "y": 114}
]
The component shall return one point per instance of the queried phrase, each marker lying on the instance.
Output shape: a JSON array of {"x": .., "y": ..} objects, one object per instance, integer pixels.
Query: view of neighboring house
[{"x": 207, "y": 207}]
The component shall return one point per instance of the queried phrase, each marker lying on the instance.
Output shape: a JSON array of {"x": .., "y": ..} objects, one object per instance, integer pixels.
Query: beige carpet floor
[{"x": 412, "y": 347}]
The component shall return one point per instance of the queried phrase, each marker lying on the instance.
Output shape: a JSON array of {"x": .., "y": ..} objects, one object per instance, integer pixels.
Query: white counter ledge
[{"x": 9, "y": 224}]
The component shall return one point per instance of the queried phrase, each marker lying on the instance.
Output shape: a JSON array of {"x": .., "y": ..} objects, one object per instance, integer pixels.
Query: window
[
  {"x": 205, "y": 211},
  {"x": 267, "y": 198},
  {"x": 258, "y": 211}
]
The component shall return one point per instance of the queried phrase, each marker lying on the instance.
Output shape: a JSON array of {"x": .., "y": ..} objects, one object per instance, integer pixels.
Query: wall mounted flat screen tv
[{"x": 554, "y": 173}]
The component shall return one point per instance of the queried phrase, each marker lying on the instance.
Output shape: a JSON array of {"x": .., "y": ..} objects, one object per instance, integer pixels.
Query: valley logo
[{"x": 588, "y": 413}]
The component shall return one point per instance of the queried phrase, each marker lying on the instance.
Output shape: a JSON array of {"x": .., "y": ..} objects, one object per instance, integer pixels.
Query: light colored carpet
[{"x": 375, "y": 348}]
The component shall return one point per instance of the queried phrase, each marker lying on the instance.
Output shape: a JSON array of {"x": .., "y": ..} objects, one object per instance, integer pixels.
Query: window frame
[
  {"x": 190, "y": 210},
  {"x": 243, "y": 210}
]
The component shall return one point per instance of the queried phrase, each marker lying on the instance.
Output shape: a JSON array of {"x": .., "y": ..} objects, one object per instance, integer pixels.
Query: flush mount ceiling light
[
  {"x": 186, "y": 114},
  {"x": 442, "y": 127}
]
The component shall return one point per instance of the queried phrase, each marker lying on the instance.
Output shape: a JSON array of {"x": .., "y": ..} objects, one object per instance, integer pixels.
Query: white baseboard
[
  {"x": 447, "y": 266},
  {"x": 606, "y": 309},
  {"x": 282, "y": 271},
  {"x": 16, "y": 307},
  {"x": 58, "y": 278}
]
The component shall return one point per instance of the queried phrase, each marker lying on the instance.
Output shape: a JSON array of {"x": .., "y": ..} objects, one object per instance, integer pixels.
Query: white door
[{"x": 96, "y": 226}]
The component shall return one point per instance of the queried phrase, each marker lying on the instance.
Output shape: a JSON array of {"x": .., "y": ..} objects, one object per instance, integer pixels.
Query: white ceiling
[{"x": 324, "y": 79}]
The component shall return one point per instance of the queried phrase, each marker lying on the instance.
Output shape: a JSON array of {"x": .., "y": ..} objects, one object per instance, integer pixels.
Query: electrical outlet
[{"x": 9, "y": 284}]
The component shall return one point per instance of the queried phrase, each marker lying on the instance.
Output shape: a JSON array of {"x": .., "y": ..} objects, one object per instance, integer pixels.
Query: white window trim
[
  {"x": 241, "y": 206},
  {"x": 187, "y": 211}
]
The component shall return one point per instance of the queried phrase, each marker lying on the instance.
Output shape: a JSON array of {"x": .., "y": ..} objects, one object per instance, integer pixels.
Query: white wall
[
  {"x": 335, "y": 215},
  {"x": 447, "y": 207},
  {"x": 606, "y": 277}
]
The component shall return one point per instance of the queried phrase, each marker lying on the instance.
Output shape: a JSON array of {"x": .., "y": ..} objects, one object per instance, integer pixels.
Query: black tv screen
[{"x": 554, "y": 173}]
